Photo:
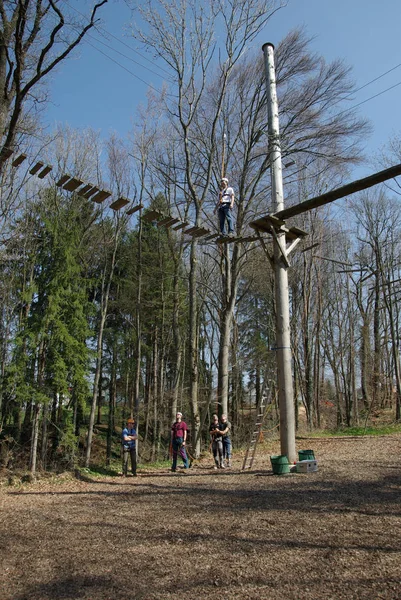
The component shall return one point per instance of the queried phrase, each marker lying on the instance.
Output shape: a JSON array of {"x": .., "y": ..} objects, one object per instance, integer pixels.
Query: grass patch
[
  {"x": 100, "y": 471},
  {"x": 158, "y": 464},
  {"x": 356, "y": 431},
  {"x": 114, "y": 470},
  {"x": 371, "y": 430}
]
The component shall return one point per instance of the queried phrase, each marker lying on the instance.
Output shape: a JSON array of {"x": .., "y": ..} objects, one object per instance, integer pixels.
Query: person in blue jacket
[{"x": 129, "y": 437}]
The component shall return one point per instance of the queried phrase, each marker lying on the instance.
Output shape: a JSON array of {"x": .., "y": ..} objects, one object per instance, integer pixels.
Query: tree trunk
[
  {"x": 34, "y": 441},
  {"x": 99, "y": 347},
  {"x": 229, "y": 292},
  {"x": 193, "y": 343},
  {"x": 154, "y": 392},
  {"x": 112, "y": 405}
]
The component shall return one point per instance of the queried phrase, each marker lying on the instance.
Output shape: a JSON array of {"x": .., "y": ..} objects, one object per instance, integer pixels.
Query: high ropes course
[
  {"x": 92, "y": 192},
  {"x": 271, "y": 223}
]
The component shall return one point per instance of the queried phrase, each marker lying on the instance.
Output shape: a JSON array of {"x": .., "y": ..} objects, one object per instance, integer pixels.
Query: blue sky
[{"x": 103, "y": 92}]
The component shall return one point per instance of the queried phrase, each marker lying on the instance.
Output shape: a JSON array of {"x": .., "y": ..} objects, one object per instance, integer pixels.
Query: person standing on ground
[
  {"x": 217, "y": 442},
  {"x": 178, "y": 440},
  {"x": 225, "y": 206},
  {"x": 226, "y": 433},
  {"x": 129, "y": 437}
]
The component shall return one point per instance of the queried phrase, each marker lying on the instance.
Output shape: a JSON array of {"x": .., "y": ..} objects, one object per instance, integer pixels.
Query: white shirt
[{"x": 227, "y": 195}]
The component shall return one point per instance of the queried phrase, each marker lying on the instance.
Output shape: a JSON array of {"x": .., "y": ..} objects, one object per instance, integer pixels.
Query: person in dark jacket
[
  {"x": 129, "y": 438},
  {"x": 225, "y": 425},
  {"x": 217, "y": 442}
]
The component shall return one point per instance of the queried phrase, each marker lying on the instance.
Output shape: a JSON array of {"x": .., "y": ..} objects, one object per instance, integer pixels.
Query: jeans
[
  {"x": 227, "y": 448},
  {"x": 129, "y": 452},
  {"x": 178, "y": 448},
  {"x": 217, "y": 448},
  {"x": 225, "y": 214}
]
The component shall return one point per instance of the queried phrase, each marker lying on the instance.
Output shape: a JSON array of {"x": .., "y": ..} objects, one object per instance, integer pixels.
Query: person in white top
[{"x": 225, "y": 205}]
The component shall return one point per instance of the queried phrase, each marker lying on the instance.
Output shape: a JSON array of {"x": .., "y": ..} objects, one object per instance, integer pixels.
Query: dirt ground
[{"x": 206, "y": 534}]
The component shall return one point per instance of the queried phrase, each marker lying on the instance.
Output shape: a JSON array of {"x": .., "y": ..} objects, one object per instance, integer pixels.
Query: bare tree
[
  {"x": 112, "y": 232},
  {"x": 310, "y": 133},
  {"x": 182, "y": 35},
  {"x": 379, "y": 221},
  {"x": 35, "y": 37}
]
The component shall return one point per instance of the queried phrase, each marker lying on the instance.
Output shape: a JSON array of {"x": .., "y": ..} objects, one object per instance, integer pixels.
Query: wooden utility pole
[{"x": 283, "y": 342}]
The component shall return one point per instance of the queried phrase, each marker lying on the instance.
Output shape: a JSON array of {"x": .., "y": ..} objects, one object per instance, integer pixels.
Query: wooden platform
[
  {"x": 266, "y": 223},
  {"x": 152, "y": 215},
  {"x": 119, "y": 203}
]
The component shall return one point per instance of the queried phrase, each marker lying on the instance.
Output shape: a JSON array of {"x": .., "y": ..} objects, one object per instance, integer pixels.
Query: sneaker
[
  {"x": 229, "y": 463},
  {"x": 173, "y": 470},
  {"x": 222, "y": 466},
  {"x": 215, "y": 467}
]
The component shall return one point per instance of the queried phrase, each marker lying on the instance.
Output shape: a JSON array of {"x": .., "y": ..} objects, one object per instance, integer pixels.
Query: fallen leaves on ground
[{"x": 333, "y": 534}]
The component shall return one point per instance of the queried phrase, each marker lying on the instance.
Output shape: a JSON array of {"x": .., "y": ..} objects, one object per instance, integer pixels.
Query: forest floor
[{"x": 209, "y": 534}]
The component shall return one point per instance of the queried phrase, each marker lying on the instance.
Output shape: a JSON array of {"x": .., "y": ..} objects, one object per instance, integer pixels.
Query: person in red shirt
[{"x": 178, "y": 440}]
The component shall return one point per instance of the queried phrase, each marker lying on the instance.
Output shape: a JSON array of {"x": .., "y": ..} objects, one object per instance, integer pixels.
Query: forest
[{"x": 105, "y": 314}]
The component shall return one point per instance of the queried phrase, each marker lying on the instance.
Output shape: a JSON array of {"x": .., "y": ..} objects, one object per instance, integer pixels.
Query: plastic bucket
[
  {"x": 306, "y": 455},
  {"x": 280, "y": 464}
]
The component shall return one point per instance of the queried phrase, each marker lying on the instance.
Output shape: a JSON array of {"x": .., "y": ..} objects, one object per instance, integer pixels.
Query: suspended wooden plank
[
  {"x": 152, "y": 215},
  {"x": 72, "y": 185},
  {"x": 85, "y": 188},
  {"x": 19, "y": 160},
  {"x": 6, "y": 154},
  {"x": 191, "y": 230},
  {"x": 119, "y": 203},
  {"x": 249, "y": 238},
  {"x": 45, "y": 171},
  {"x": 36, "y": 168},
  {"x": 211, "y": 237},
  {"x": 224, "y": 239},
  {"x": 181, "y": 226},
  {"x": 90, "y": 192},
  {"x": 63, "y": 180},
  {"x": 199, "y": 232},
  {"x": 134, "y": 209},
  {"x": 172, "y": 221},
  {"x": 100, "y": 196},
  {"x": 166, "y": 220}
]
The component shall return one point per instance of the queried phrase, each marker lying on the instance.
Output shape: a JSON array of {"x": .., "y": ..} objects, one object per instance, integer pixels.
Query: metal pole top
[{"x": 267, "y": 44}]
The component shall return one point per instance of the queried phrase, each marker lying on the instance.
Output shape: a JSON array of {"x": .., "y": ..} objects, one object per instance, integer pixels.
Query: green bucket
[
  {"x": 280, "y": 464},
  {"x": 306, "y": 455}
]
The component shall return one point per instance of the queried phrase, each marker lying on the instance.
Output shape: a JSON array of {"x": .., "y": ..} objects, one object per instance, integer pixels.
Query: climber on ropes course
[{"x": 226, "y": 200}]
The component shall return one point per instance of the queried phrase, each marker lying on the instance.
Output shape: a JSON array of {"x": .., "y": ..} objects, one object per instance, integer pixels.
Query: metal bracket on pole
[
  {"x": 293, "y": 235},
  {"x": 292, "y": 246},
  {"x": 280, "y": 245}
]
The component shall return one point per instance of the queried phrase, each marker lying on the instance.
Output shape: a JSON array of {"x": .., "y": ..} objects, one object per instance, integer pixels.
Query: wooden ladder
[{"x": 257, "y": 429}]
